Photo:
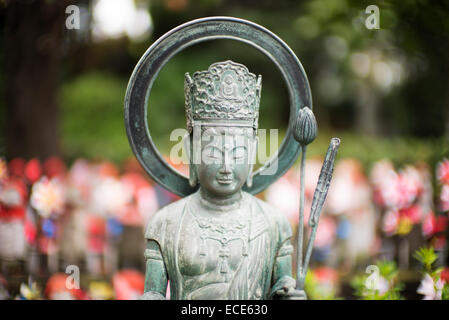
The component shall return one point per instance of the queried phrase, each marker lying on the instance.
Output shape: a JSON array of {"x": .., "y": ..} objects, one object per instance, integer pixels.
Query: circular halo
[{"x": 188, "y": 34}]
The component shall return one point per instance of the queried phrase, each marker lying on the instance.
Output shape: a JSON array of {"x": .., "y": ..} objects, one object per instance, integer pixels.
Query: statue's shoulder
[
  {"x": 268, "y": 209},
  {"x": 171, "y": 210},
  {"x": 273, "y": 214},
  {"x": 167, "y": 216}
]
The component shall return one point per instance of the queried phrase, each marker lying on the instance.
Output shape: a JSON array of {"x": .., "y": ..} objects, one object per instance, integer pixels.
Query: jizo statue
[{"x": 220, "y": 241}]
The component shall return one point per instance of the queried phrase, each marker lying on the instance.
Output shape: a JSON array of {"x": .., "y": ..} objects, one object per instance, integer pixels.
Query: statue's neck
[{"x": 220, "y": 204}]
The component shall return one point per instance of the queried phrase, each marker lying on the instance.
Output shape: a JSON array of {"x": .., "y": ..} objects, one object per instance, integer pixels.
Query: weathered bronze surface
[{"x": 219, "y": 241}]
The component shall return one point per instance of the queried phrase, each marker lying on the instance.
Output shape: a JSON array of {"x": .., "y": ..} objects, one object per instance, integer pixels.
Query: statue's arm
[
  {"x": 283, "y": 284},
  {"x": 156, "y": 273},
  {"x": 282, "y": 270}
]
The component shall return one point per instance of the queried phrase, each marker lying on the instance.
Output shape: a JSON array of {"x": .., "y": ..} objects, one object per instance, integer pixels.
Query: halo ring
[{"x": 188, "y": 34}]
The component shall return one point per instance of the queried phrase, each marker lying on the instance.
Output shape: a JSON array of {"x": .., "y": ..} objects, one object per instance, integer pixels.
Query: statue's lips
[{"x": 224, "y": 181}]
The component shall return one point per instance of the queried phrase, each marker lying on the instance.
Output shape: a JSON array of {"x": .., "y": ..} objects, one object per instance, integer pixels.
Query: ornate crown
[{"x": 226, "y": 94}]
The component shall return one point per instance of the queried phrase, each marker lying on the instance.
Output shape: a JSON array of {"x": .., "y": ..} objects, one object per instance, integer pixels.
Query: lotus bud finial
[{"x": 305, "y": 129}]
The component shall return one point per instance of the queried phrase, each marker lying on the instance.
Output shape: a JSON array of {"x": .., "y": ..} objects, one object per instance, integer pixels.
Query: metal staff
[
  {"x": 305, "y": 131},
  {"x": 319, "y": 198}
]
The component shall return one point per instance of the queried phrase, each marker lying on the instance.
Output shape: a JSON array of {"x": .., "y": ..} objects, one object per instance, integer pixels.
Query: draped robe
[{"x": 214, "y": 258}]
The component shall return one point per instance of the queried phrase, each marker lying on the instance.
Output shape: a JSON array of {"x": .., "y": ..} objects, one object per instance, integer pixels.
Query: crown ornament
[{"x": 227, "y": 94}]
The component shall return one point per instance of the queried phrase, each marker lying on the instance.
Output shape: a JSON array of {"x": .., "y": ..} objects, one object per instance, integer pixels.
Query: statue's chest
[{"x": 211, "y": 245}]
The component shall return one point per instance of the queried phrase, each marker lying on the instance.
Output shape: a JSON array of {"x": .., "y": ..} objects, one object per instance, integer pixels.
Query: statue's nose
[{"x": 226, "y": 168}]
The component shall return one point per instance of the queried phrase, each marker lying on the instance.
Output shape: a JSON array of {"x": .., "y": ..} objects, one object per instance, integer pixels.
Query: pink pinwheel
[
  {"x": 444, "y": 198},
  {"x": 411, "y": 184},
  {"x": 396, "y": 190},
  {"x": 406, "y": 188},
  {"x": 48, "y": 197},
  {"x": 386, "y": 191}
]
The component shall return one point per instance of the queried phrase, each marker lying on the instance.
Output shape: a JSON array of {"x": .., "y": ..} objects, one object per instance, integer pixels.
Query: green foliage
[
  {"x": 388, "y": 270},
  {"x": 369, "y": 149},
  {"x": 445, "y": 292},
  {"x": 427, "y": 257},
  {"x": 92, "y": 117},
  {"x": 319, "y": 291},
  {"x": 389, "y": 287}
]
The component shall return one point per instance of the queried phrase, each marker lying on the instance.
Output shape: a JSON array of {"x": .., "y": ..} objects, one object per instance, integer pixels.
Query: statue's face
[{"x": 225, "y": 160}]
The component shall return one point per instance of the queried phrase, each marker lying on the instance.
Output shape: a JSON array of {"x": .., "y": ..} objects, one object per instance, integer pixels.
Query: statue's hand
[
  {"x": 290, "y": 293},
  {"x": 152, "y": 295}
]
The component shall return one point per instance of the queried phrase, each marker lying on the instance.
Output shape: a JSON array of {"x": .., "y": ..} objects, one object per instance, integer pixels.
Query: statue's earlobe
[
  {"x": 193, "y": 176},
  {"x": 252, "y": 159},
  {"x": 249, "y": 180}
]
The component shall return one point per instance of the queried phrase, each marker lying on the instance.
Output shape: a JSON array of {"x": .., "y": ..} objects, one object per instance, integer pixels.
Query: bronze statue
[{"x": 219, "y": 241}]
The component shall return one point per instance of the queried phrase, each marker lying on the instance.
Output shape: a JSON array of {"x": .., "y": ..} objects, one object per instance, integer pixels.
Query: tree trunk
[
  {"x": 33, "y": 41},
  {"x": 367, "y": 118}
]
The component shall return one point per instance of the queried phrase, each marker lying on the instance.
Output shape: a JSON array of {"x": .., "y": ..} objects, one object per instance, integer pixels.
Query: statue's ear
[
  {"x": 193, "y": 175},
  {"x": 252, "y": 160}
]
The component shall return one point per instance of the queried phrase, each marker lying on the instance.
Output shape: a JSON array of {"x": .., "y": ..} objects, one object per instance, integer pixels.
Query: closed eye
[
  {"x": 239, "y": 152},
  {"x": 213, "y": 152}
]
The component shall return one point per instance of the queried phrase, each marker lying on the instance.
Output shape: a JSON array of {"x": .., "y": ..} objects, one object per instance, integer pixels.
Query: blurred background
[{"x": 72, "y": 193}]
